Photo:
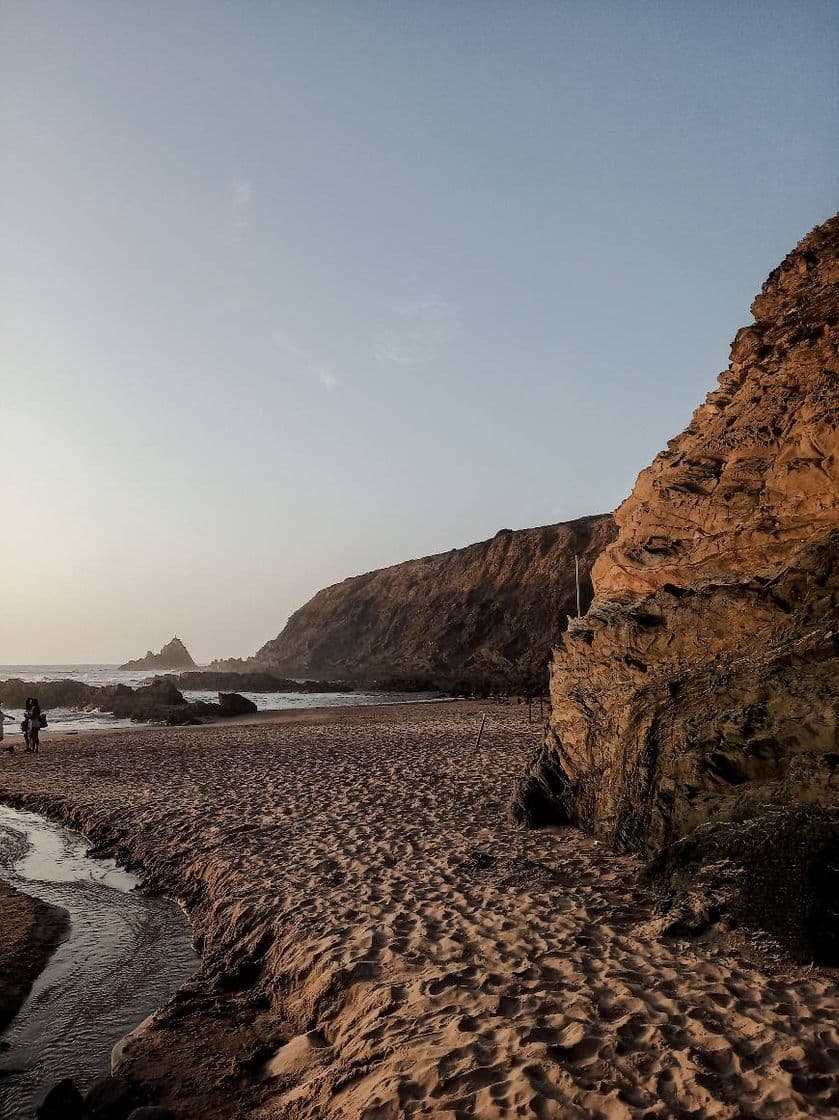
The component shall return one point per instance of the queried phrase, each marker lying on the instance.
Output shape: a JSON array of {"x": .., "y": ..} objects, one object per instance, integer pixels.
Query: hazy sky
[{"x": 292, "y": 291}]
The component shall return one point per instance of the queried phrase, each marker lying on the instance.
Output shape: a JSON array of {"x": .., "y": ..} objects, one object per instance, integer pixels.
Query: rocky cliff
[
  {"x": 694, "y": 707},
  {"x": 174, "y": 655},
  {"x": 491, "y": 611}
]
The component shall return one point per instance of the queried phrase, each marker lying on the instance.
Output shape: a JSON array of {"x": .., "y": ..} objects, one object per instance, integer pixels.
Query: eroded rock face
[
  {"x": 492, "y": 610},
  {"x": 701, "y": 685},
  {"x": 755, "y": 474}
]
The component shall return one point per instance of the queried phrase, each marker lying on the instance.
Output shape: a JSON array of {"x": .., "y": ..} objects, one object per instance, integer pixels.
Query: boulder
[
  {"x": 232, "y": 704},
  {"x": 62, "y": 1102},
  {"x": 110, "y": 1099},
  {"x": 192, "y": 714},
  {"x": 152, "y": 702}
]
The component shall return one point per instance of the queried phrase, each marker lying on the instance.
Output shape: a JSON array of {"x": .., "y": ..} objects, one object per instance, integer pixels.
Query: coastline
[
  {"x": 378, "y": 939},
  {"x": 57, "y": 733},
  {"x": 30, "y": 932}
]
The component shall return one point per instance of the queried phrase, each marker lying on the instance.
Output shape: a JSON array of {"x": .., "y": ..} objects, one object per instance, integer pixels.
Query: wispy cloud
[
  {"x": 283, "y": 342},
  {"x": 242, "y": 194},
  {"x": 324, "y": 372},
  {"x": 417, "y": 333},
  {"x": 328, "y": 378}
]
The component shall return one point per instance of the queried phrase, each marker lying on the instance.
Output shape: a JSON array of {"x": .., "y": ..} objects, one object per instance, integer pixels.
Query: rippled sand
[{"x": 379, "y": 941}]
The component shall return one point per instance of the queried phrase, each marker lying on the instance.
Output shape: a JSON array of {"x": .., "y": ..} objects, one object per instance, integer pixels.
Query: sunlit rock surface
[{"x": 701, "y": 686}]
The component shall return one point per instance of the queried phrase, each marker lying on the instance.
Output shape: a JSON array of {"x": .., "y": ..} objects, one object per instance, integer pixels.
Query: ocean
[{"x": 64, "y": 719}]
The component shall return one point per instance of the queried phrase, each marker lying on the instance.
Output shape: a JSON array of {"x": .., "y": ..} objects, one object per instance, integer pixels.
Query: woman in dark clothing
[
  {"x": 34, "y": 726},
  {"x": 24, "y": 723}
]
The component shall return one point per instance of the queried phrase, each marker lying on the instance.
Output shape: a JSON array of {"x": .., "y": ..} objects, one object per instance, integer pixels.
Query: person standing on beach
[
  {"x": 24, "y": 724},
  {"x": 34, "y": 723}
]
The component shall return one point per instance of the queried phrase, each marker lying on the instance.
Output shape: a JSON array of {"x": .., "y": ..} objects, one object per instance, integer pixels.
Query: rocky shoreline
[
  {"x": 159, "y": 701},
  {"x": 374, "y": 934}
]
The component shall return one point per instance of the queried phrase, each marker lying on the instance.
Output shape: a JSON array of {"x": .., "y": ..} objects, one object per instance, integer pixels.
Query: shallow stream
[{"x": 125, "y": 954}]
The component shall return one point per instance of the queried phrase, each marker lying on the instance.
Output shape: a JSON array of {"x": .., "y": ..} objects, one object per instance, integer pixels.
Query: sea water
[
  {"x": 68, "y": 720},
  {"x": 125, "y": 953}
]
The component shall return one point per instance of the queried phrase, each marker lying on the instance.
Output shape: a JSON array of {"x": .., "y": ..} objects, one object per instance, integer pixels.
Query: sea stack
[
  {"x": 694, "y": 707},
  {"x": 174, "y": 655}
]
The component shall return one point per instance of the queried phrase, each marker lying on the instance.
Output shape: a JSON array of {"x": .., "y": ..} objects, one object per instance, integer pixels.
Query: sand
[{"x": 380, "y": 941}]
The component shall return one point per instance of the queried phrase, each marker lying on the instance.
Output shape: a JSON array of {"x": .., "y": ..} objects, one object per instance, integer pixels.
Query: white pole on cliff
[{"x": 577, "y": 578}]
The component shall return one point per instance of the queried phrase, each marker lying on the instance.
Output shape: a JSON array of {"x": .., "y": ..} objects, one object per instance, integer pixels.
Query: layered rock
[
  {"x": 173, "y": 656},
  {"x": 700, "y": 689},
  {"x": 492, "y": 610}
]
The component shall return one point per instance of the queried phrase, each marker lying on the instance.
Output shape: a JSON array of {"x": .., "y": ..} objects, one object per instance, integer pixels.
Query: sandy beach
[{"x": 380, "y": 941}]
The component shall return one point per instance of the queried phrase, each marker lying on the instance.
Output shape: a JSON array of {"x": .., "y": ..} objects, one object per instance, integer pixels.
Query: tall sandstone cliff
[
  {"x": 694, "y": 707},
  {"x": 491, "y": 611}
]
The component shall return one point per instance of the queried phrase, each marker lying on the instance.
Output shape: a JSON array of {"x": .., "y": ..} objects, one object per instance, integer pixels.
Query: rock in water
[
  {"x": 232, "y": 704},
  {"x": 110, "y": 1099},
  {"x": 62, "y": 1102},
  {"x": 700, "y": 688},
  {"x": 174, "y": 655}
]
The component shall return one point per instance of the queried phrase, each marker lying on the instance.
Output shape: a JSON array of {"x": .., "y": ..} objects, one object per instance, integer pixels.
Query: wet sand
[{"x": 380, "y": 941}]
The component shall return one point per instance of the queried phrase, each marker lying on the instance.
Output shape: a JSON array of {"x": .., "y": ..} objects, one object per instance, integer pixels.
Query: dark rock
[
  {"x": 541, "y": 793},
  {"x": 152, "y": 702},
  {"x": 110, "y": 1099},
  {"x": 232, "y": 704},
  {"x": 151, "y": 1112},
  {"x": 51, "y": 694},
  {"x": 174, "y": 655},
  {"x": 192, "y": 714},
  {"x": 62, "y": 1102},
  {"x": 251, "y": 681},
  {"x": 778, "y": 871}
]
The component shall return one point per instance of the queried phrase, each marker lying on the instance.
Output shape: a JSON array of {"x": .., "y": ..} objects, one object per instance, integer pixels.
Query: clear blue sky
[{"x": 292, "y": 291}]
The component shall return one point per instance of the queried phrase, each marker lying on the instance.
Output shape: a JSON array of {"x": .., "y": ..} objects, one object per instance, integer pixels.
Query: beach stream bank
[{"x": 125, "y": 954}]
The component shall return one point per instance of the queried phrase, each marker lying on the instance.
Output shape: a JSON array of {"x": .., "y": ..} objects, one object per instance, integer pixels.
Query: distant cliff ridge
[
  {"x": 492, "y": 610},
  {"x": 174, "y": 655}
]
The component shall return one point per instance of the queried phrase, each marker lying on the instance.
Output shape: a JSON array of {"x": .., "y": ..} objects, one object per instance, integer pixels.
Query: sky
[{"x": 292, "y": 291}]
